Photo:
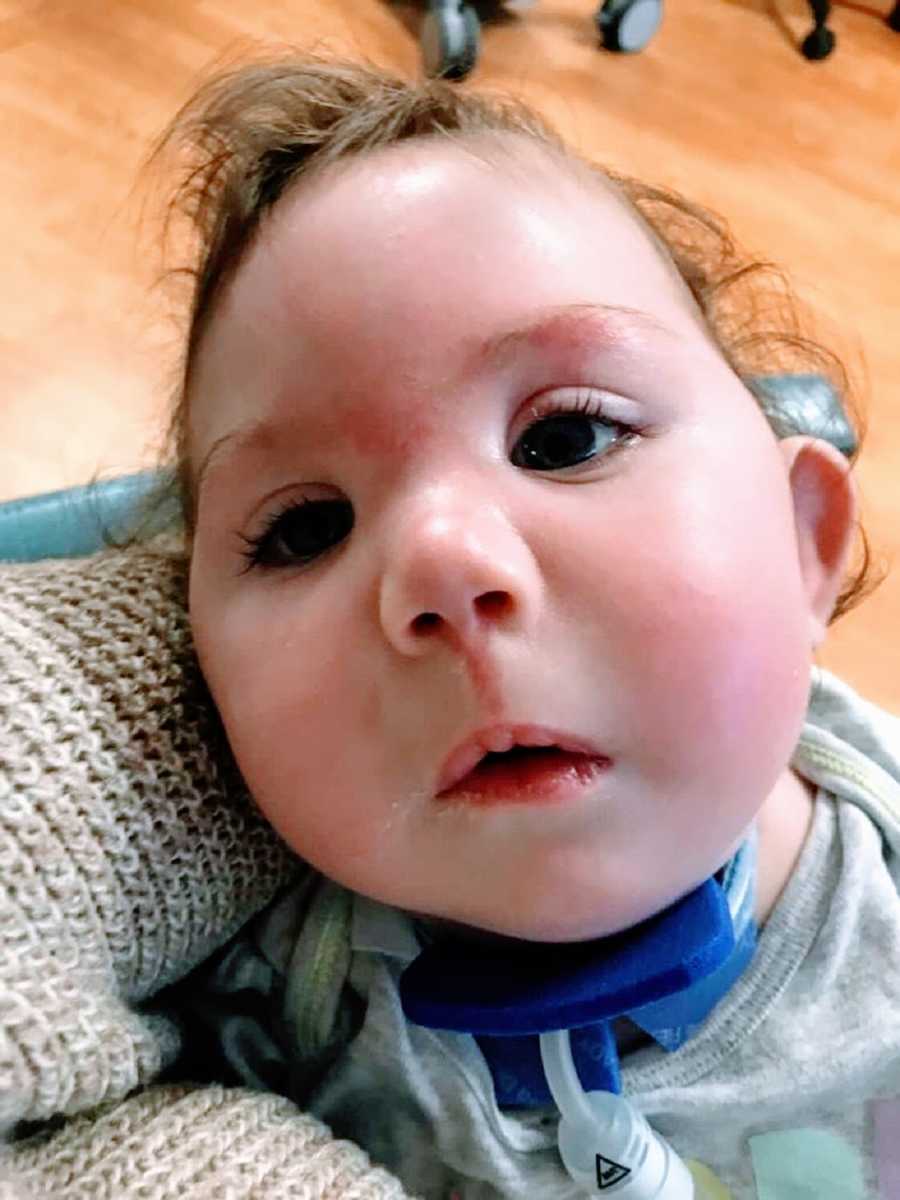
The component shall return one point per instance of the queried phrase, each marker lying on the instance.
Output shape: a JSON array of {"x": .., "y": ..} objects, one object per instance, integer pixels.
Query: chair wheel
[
  {"x": 818, "y": 44},
  {"x": 626, "y": 26},
  {"x": 450, "y": 41}
]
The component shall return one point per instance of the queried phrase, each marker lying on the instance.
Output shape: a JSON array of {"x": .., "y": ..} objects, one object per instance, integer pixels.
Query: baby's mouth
[{"x": 526, "y": 775}]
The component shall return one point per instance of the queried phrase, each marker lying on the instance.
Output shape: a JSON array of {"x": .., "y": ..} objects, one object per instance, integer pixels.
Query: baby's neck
[{"x": 783, "y": 822}]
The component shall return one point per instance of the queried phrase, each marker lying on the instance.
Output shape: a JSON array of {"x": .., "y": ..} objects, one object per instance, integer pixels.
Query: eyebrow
[{"x": 577, "y": 327}]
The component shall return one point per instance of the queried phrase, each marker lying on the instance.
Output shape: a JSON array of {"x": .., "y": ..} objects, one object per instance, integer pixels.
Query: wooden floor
[{"x": 804, "y": 159}]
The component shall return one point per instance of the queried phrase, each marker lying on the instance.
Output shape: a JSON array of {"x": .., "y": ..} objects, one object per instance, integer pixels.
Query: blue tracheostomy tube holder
[{"x": 507, "y": 987}]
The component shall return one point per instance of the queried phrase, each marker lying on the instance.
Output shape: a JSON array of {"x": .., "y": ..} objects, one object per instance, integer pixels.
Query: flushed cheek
[
  {"x": 720, "y": 667},
  {"x": 289, "y": 712},
  {"x": 697, "y": 629}
]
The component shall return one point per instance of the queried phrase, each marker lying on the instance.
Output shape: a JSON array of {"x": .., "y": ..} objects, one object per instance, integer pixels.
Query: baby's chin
[{"x": 554, "y": 928}]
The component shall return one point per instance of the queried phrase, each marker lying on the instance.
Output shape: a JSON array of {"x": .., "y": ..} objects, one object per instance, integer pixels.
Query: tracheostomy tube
[{"x": 605, "y": 1144}]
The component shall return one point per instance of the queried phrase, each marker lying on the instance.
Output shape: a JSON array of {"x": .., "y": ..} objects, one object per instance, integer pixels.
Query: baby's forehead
[
  {"x": 381, "y": 274},
  {"x": 419, "y": 169},
  {"x": 420, "y": 195}
]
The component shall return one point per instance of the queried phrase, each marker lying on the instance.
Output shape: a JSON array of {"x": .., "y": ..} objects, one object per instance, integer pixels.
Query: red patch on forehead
[{"x": 377, "y": 431}]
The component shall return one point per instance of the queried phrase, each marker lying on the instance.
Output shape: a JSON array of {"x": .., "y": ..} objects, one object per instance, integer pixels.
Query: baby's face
[{"x": 396, "y": 343}]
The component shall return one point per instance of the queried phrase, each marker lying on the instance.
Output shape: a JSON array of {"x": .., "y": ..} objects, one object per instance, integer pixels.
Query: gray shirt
[{"x": 790, "y": 1090}]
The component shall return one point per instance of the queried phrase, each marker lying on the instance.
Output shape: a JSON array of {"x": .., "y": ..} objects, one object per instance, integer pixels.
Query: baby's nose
[{"x": 455, "y": 571}]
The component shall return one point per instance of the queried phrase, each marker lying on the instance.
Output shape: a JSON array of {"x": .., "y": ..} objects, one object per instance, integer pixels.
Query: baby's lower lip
[{"x": 540, "y": 777}]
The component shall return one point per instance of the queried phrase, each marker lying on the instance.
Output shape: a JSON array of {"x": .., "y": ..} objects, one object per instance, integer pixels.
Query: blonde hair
[{"x": 252, "y": 131}]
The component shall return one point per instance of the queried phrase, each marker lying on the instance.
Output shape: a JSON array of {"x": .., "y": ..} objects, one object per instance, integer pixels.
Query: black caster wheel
[
  {"x": 627, "y": 26},
  {"x": 819, "y": 44},
  {"x": 450, "y": 41}
]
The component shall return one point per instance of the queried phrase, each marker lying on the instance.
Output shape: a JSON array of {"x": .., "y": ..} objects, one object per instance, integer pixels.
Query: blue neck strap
[{"x": 666, "y": 974}]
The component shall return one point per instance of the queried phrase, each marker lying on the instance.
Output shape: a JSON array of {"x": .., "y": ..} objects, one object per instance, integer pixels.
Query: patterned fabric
[{"x": 129, "y": 851}]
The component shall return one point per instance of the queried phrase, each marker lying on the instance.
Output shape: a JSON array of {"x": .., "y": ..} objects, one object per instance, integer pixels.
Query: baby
[{"x": 506, "y": 583}]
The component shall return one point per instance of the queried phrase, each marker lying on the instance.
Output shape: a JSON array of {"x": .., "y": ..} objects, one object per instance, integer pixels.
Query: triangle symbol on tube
[{"x": 609, "y": 1172}]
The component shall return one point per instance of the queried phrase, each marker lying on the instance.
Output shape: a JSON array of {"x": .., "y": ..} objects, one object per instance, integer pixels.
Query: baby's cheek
[
  {"x": 729, "y": 686},
  {"x": 710, "y": 648},
  {"x": 278, "y": 693}
]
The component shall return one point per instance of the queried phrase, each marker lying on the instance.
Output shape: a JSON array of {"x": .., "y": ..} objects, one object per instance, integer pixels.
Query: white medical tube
[{"x": 605, "y": 1144}]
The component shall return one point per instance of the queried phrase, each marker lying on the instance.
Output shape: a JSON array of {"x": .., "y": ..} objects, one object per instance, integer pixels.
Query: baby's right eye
[{"x": 299, "y": 533}]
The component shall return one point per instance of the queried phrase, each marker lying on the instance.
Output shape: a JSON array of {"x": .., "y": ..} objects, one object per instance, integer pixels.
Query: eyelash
[
  {"x": 586, "y": 403},
  {"x": 257, "y": 545},
  {"x": 590, "y": 405}
]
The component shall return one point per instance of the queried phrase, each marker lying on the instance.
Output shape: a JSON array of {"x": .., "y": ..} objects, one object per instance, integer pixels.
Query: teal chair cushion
[{"x": 79, "y": 521}]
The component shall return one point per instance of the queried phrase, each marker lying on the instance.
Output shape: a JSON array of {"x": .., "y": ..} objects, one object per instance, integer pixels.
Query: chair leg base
[{"x": 818, "y": 44}]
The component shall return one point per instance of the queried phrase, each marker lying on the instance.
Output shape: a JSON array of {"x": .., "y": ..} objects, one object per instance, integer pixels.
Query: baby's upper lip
[{"x": 498, "y": 738}]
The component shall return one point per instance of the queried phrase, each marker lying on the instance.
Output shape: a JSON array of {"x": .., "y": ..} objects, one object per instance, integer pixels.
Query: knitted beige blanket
[{"x": 129, "y": 851}]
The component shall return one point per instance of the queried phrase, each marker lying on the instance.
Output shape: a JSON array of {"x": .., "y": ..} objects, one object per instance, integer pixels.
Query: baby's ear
[{"x": 825, "y": 505}]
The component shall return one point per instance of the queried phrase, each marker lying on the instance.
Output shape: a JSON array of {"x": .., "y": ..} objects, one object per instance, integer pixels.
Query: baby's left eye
[{"x": 565, "y": 439}]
